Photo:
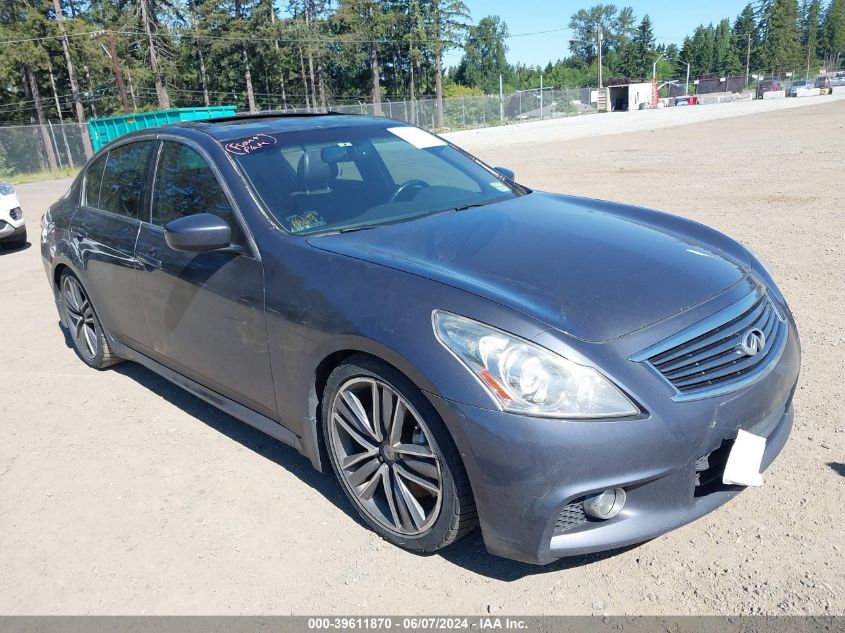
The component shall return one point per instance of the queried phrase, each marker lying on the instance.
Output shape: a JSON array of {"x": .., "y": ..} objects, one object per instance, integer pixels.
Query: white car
[
  {"x": 801, "y": 84},
  {"x": 12, "y": 225}
]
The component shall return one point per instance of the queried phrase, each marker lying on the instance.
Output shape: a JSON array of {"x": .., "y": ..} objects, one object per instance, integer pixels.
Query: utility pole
[
  {"x": 807, "y": 76},
  {"x": 541, "y": 95},
  {"x": 501, "y": 101},
  {"x": 599, "y": 39},
  {"x": 118, "y": 76},
  {"x": 747, "y": 61}
]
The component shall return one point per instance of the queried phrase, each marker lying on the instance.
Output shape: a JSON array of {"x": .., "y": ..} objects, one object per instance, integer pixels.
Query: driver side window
[{"x": 185, "y": 185}]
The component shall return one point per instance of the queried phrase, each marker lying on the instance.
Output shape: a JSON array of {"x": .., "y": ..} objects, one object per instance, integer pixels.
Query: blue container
[{"x": 107, "y": 129}]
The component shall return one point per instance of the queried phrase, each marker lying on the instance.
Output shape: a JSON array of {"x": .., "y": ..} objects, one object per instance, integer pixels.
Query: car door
[
  {"x": 104, "y": 230},
  {"x": 204, "y": 311}
]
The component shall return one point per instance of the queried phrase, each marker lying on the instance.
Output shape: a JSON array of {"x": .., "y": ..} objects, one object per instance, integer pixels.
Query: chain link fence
[
  {"x": 54, "y": 149},
  {"x": 480, "y": 110},
  {"x": 42, "y": 149},
  {"x": 35, "y": 150}
]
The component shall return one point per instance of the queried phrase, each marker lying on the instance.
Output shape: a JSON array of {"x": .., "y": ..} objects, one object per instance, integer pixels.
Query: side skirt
[{"x": 227, "y": 405}]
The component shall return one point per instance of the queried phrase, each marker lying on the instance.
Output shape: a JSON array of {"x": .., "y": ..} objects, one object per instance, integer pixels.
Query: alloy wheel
[
  {"x": 384, "y": 455},
  {"x": 80, "y": 316}
]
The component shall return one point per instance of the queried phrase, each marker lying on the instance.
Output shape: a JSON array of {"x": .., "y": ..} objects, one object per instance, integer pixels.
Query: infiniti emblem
[{"x": 753, "y": 342}]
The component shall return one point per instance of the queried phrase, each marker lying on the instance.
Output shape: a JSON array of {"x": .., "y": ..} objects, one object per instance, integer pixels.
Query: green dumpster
[{"x": 107, "y": 129}]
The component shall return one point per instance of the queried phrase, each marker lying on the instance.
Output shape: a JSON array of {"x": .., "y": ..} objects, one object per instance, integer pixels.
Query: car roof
[{"x": 245, "y": 125}]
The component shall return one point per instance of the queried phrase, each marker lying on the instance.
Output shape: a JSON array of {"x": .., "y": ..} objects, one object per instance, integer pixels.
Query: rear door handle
[
  {"x": 149, "y": 260},
  {"x": 80, "y": 232}
]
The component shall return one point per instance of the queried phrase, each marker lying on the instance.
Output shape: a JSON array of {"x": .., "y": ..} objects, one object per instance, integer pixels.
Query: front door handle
[{"x": 149, "y": 260}]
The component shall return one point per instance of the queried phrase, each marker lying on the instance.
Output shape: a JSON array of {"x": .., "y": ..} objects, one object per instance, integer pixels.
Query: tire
[
  {"x": 18, "y": 242},
  {"x": 86, "y": 333},
  {"x": 420, "y": 457}
]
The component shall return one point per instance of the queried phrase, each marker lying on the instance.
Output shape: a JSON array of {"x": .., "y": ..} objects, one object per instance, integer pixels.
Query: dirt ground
[{"x": 120, "y": 494}]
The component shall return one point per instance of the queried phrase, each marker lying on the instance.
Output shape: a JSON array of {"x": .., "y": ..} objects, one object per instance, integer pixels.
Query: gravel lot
[{"x": 121, "y": 494}]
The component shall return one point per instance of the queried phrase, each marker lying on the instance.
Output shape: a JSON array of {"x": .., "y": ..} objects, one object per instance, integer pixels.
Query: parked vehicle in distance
[
  {"x": 823, "y": 82},
  {"x": 768, "y": 85},
  {"x": 571, "y": 374},
  {"x": 686, "y": 100},
  {"x": 12, "y": 223},
  {"x": 800, "y": 84},
  {"x": 838, "y": 79}
]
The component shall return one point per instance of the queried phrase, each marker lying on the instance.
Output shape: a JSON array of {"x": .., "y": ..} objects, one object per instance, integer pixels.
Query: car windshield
[{"x": 358, "y": 176}]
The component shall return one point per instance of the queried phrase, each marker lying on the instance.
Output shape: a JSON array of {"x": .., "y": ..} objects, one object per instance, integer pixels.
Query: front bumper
[
  {"x": 526, "y": 471},
  {"x": 11, "y": 231}
]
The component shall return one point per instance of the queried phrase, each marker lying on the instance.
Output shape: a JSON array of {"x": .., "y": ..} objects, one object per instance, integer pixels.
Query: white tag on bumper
[{"x": 743, "y": 467}]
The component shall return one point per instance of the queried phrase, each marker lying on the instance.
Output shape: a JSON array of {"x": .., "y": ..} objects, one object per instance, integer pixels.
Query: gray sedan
[{"x": 570, "y": 375}]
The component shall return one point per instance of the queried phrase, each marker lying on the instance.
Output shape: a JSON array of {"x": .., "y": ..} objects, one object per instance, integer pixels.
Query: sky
[{"x": 672, "y": 19}]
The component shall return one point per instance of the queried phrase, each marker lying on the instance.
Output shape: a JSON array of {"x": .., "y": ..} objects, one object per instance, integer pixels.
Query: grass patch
[{"x": 17, "y": 179}]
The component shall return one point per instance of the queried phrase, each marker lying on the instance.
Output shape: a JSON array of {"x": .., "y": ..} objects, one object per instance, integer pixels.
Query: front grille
[
  {"x": 16, "y": 213},
  {"x": 708, "y": 359}
]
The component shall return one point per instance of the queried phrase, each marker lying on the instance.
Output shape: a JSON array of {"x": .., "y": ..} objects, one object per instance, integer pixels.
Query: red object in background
[{"x": 686, "y": 100}]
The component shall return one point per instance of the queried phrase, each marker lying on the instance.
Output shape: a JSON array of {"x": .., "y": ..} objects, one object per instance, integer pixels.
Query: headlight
[{"x": 525, "y": 378}]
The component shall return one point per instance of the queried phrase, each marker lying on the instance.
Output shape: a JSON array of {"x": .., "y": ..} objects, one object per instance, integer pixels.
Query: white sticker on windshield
[
  {"x": 499, "y": 185},
  {"x": 416, "y": 137}
]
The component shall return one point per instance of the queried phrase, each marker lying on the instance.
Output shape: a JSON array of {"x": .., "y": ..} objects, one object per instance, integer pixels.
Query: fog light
[{"x": 605, "y": 505}]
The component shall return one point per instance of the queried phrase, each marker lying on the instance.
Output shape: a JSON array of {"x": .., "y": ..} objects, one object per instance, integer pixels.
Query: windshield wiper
[
  {"x": 471, "y": 206},
  {"x": 360, "y": 227}
]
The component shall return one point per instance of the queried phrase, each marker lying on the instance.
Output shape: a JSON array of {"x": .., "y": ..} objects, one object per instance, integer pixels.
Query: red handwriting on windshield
[{"x": 250, "y": 145}]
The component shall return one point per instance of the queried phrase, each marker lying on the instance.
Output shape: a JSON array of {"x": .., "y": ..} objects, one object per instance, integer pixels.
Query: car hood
[{"x": 592, "y": 269}]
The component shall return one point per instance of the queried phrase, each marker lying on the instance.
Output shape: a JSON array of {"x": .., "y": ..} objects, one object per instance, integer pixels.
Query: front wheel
[{"x": 394, "y": 458}]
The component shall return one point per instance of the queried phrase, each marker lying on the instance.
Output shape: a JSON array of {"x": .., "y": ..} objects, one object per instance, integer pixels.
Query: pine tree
[
  {"x": 745, "y": 37},
  {"x": 448, "y": 23},
  {"x": 152, "y": 13},
  {"x": 811, "y": 27},
  {"x": 781, "y": 43},
  {"x": 637, "y": 57},
  {"x": 71, "y": 72},
  {"x": 366, "y": 23},
  {"x": 699, "y": 50},
  {"x": 485, "y": 55},
  {"x": 725, "y": 59},
  {"x": 834, "y": 33}
]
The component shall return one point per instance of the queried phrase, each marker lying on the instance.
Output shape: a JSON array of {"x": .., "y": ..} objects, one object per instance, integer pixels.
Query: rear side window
[
  {"x": 185, "y": 185},
  {"x": 93, "y": 181},
  {"x": 122, "y": 190}
]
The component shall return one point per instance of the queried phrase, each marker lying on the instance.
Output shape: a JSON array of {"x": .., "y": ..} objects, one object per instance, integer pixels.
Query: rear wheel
[
  {"x": 394, "y": 458},
  {"x": 86, "y": 333}
]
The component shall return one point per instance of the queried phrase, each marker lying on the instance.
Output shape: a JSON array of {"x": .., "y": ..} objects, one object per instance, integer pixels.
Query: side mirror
[
  {"x": 507, "y": 173},
  {"x": 198, "y": 233}
]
